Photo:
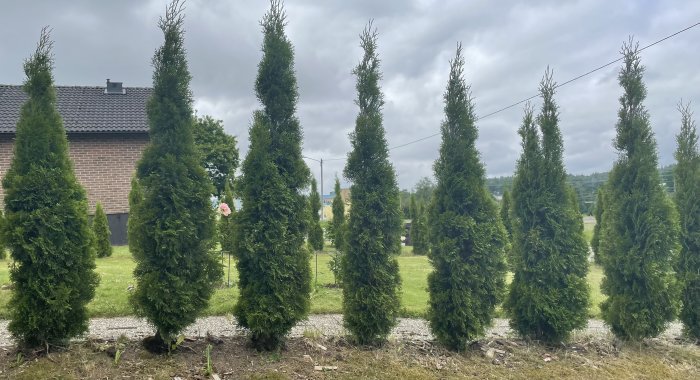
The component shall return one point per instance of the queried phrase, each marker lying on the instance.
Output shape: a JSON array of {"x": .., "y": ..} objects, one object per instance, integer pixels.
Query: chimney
[{"x": 114, "y": 88}]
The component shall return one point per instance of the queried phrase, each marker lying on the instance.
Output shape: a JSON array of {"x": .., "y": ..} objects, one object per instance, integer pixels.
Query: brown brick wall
[{"x": 104, "y": 165}]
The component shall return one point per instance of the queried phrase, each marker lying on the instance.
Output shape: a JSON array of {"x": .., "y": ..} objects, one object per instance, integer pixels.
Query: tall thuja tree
[
  {"x": 687, "y": 175},
  {"x": 419, "y": 232},
  {"x": 505, "y": 214},
  {"x": 598, "y": 213},
  {"x": 467, "y": 236},
  {"x": 315, "y": 230},
  {"x": 506, "y": 219},
  {"x": 46, "y": 226},
  {"x": 176, "y": 271},
  {"x": 640, "y": 227},
  {"x": 371, "y": 279},
  {"x": 549, "y": 295},
  {"x": 101, "y": 233},
  {"x": 338, "y": 228},
  {"x": 273, "y": 264},
  {"x": 338, "y": 224}
]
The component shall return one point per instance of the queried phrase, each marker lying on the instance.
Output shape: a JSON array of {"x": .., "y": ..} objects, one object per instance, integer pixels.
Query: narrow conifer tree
[
  {"x": 132, "y": 224},
  {"x": 598, "y": 213},
  {"x": 338, "y": 229},
  {"x": 46, "y": 223},
  {"x": 101, "y": 232},
  {"x": 467, "y": 236},
  {"x": 227, "y": 223},
  {"x": 687, "y": 175},
  {"x": 419, "y": 232},
  {"x": 640, "y": 227},
  {"x": 506, "y": 219},
  {"x": 549, "y": 295},
  {"x": 273, "y": 264},
  {"x": 371, "y": 279},
  {"x": 338, "y": 224},
  {"x": 315, "y": 229},
  {"x": 505, "y": 214},
  {"x": 413, "y": 208},
  {"x": 176, "y": 271}
]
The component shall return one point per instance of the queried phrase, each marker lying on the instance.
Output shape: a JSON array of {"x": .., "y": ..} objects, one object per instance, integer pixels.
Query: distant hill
[{"x": 586, "y": 185}]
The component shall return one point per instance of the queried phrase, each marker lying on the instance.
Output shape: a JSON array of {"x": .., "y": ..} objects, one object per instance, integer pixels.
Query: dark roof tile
[{"x": 84, "y": 109}]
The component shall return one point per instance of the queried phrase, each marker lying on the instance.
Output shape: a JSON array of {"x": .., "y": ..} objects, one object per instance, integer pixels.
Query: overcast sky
[{"x": 507, "y": 46}]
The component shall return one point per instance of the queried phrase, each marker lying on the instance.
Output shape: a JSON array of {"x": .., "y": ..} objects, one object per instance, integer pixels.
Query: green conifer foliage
[
  {"x": 640, "y": 227},
  {"x": 599, "y": 209},
  {"x": 133, "y": 225},
  {"x": 413, "y": 208},
  {"x": 506, "y": 219},
  {"x": 46, "y": 223},
  {"x": 3, "y": 254},
  {"x": 101, "y": 233},
  {"x": 227, "y": 223},
  {"x": 371, "y": 279},
  {"x": 687, "y": 175},
  {"x": 315, "y": 230},
  {"x": 467, "y": 236},
  {"x": 549, "y": 295},
  {"x": 172, "y": 225},
  {"x": 337, "y": 234},
  {"x": 419, "y": 232},
  {"x": 505, "y": 213},
  {"x": 338, "y": 224},
  {"x": 273, "y": 264}
]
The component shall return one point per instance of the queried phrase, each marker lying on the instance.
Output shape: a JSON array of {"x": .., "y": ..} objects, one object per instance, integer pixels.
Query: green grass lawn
[{"x": 111, "y": 298}]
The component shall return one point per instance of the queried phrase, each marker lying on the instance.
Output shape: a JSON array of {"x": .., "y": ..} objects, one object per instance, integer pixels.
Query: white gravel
[{"x": 325, "y": 325}]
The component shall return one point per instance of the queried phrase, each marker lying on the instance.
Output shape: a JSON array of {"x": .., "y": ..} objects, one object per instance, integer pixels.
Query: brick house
[{"x": 107, "y": 132}]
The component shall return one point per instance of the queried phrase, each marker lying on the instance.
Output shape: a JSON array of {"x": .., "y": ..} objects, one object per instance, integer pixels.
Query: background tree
[
  {"x": 218, "y": 151},
  {"x": 467, "y": 237},
  {"x": 371, "y": 279},
  {"x": 338, "y": 223},
  {"x": 419, "y": 232},
  {"x": 46, "y": 224},
  {"x": 687, "y": 190},
  {"x": 424, "y": 190},
  {"x": 337, "y": 229},
  {"x": 273, "y": 264},
  {"x": 175, "y": 269},
  {"x": 549, "y": 295},
  {"x": 598, "y": 212},
  {"x": 101, "y": 233},
  {"x": 506, "y": 219},
  {"x": 315, "y": 230},
  {"x": 640, "y": 227},
  {"x": 227, "y": 222}
]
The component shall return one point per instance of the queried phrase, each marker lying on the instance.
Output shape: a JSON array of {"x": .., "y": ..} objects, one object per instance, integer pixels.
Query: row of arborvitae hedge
[{"x": 171, "y": 225}]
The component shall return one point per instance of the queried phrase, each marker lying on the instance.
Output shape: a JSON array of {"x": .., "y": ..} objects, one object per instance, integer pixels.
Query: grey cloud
[{"x": 507, "y": 46}]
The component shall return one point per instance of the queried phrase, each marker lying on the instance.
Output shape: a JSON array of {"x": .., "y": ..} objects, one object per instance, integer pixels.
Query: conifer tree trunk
[
  {"x": 176, "y": 270},
  {"x": 46, "y": 224},
  {"x": 467, "y": 236},
  {"x": 371, "y": 279},
  {"x": 640, "y": 227}
]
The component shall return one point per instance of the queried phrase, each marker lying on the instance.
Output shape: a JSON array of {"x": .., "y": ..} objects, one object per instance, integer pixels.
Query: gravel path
[{"x": 317, "y": 325}]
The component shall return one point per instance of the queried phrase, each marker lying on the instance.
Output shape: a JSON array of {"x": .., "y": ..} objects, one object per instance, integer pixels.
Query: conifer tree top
[
  {"x": 368, "y": 139},
  {"x": 687, "y": 139},
  {"x": 38, "y": 68},
  {"x": 634, "y": 134}
]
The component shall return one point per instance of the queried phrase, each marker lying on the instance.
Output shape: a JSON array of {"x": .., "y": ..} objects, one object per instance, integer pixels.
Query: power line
[
  {"x": 557, "y": 86},
  {"x": 531, "y": 97}
]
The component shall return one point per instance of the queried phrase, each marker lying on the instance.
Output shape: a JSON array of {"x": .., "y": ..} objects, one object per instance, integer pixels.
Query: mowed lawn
[{"x": 112, "y": 296}]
